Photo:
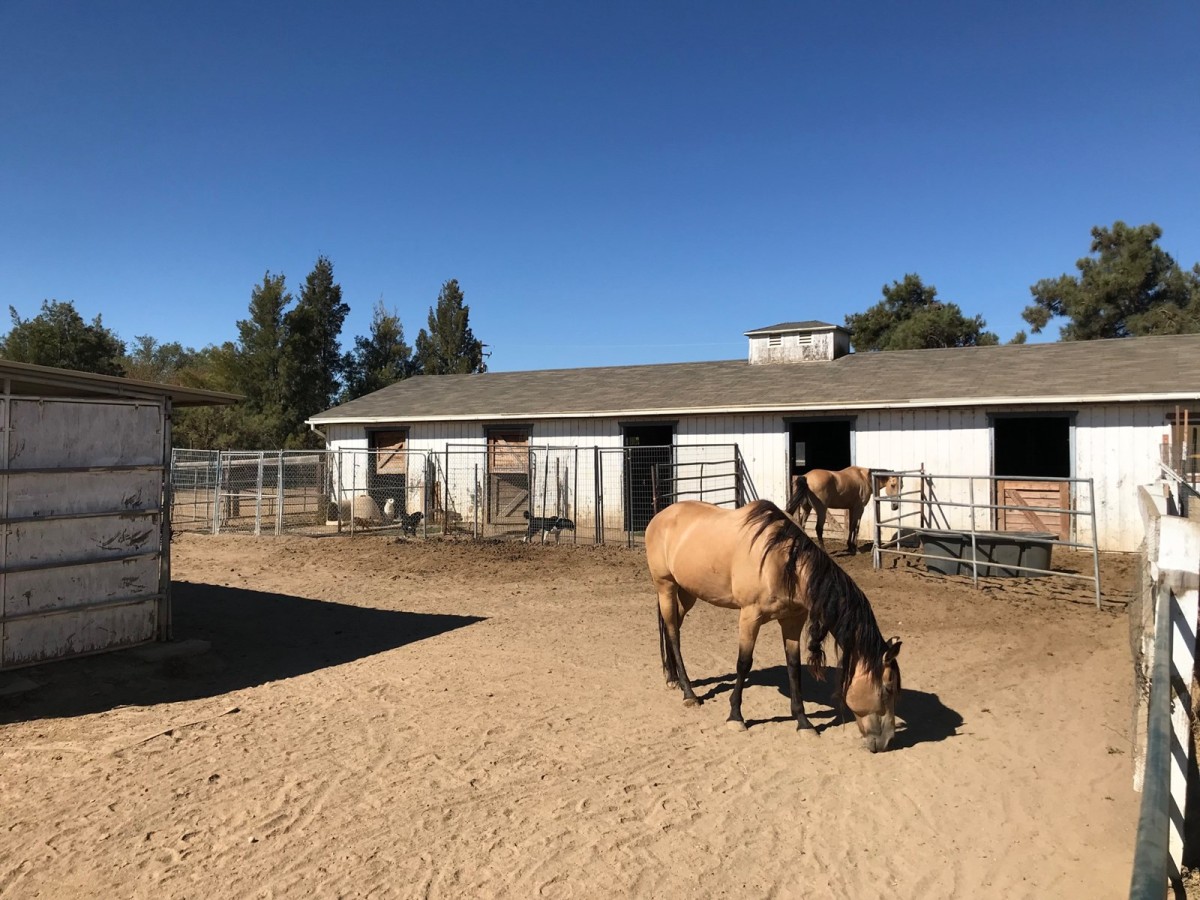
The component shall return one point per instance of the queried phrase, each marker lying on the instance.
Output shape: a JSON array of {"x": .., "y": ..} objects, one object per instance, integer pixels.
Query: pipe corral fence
[
  {"x": 592, "y": 495},
  {"x": 986, "y": 525}
]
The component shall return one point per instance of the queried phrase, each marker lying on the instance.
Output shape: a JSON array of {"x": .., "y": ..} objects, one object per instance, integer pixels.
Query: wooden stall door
[
  {"x": 389, "y": 473},
  {"x": 508, "y": 477},
  {"x": 1056, "y": 494}
]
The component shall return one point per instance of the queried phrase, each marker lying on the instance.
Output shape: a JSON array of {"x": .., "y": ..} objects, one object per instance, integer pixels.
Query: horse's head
[
  {"x": 874, "y": 702},
  {"x": 889, "y": 486}
]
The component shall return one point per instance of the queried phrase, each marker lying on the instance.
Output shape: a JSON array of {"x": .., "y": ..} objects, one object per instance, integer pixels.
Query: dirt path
[{"x": 469, "y": 720}]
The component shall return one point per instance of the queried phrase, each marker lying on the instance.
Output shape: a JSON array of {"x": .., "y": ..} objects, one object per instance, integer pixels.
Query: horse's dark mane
[{"x": 836, "y": 605}]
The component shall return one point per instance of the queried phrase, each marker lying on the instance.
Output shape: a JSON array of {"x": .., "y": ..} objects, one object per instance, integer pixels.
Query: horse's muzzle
[{"x": 876, "y": 743}]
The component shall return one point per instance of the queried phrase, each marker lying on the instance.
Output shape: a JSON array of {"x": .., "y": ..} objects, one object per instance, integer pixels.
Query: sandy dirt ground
[{"x": 391, "y": 718}]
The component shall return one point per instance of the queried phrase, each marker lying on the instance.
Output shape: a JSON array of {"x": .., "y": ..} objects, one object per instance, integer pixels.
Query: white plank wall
[{"x": 1115, "y": 444}]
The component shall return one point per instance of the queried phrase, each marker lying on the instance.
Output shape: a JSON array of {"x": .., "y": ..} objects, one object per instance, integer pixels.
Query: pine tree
[
  {"x": 449, "y": 347},
  {"x": 1130, "y": 286},
  {"x": 312, "y": 357},
  {"x": 380, "y": 359},
  {"x": 910, "y": 317}
]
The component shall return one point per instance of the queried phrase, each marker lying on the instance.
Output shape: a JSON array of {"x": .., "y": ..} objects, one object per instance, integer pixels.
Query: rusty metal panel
[
  {"x": 57, "y": 636},
  {"x": 79, "y": 540},
  {"x": 70, "y": 434},
  {"x": 72, "y": 493},
  {"x": 41, "y": 590}
]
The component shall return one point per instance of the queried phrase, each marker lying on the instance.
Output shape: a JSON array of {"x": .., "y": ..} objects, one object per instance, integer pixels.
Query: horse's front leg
[
  {"x": 748, "y": 625},
  {"x": 792, "y": 629}
]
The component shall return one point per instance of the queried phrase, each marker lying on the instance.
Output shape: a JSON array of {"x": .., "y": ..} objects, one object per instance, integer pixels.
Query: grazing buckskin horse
[
  {"x": 848, "y": 488},
  {"x": 756, "y": 560}
]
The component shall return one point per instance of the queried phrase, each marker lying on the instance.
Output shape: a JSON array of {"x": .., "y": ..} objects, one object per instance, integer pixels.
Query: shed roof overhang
[{"x": 32, "y": 380}]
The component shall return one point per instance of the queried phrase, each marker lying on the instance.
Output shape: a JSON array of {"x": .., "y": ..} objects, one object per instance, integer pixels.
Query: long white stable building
[{"x": 1096, "y": 410}]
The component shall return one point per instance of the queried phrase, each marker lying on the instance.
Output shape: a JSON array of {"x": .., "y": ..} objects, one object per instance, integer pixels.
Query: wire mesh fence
[{"x": 539, "y": 493}]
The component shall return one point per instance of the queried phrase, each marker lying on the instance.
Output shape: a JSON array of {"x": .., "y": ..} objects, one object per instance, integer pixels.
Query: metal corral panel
[{"x": 81, "y": 496}]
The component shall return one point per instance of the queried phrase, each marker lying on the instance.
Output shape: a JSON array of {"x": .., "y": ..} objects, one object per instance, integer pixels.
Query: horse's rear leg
[
  {"x": 821, "y": 511},
  {"x": 792, "y": 629},
  {"x": 852, "y": 536},
  {"x": 748, "y": 625},
  {"x": 672, "y": 607}
]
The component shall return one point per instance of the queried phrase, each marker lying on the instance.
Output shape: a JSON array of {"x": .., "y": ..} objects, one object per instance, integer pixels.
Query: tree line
[
  {"x": 1129, "y": 286},
  {"x": 288, "y": 364},
  {"x": 287, "y": 360}
]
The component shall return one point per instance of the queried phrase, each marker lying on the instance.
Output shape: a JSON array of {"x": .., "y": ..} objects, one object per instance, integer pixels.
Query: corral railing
[
  {"x": 981, "y": 517},
  {"x": 1164, "y": 623},
  {"x": 543, "y": 492}
]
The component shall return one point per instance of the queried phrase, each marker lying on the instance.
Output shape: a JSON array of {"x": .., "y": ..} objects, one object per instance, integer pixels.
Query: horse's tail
[{"x": 799, "y": 495}]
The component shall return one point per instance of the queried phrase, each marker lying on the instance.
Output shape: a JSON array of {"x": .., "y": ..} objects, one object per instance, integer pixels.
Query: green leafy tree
[
  {"x": 148, "y": 360},
  {"x": 910, "y": 317},
  {"x": 379, "y": 359},
  {"x": 58, "y": 336},
  {"x": 1129, "y": 286},
  {"x": 216, "y": 368},
  {"x": 449, "y": 347},
  {"x": 312, "y": 356}
]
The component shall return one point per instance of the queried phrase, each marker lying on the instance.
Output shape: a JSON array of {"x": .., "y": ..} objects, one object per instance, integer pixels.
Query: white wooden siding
[{"x": 1117, "y": 445}]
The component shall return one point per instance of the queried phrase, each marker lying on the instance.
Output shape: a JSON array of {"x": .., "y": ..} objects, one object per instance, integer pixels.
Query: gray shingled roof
[
  {"x": 1154, "y": 368},
  {"x": 808, "y": 325}
]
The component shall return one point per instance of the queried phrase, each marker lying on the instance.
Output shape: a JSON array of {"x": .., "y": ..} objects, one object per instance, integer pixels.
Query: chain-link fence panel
[
  {"x": 194, "y": 476},
  {"x": 533, "y": 493},
  {"x": 373, "y": 490}
]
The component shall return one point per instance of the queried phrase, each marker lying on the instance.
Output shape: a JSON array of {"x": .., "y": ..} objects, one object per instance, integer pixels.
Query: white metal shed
[{"x": 85, "y": 544}]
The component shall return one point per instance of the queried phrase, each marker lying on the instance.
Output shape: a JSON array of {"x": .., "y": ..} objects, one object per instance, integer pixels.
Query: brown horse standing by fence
[
  {"x": 848, "y": 488},
  {"x": 757, "y": 561}
]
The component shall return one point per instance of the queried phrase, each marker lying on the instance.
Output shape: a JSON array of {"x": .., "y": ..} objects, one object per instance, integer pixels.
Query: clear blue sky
[{"x": 610, "y": 183}]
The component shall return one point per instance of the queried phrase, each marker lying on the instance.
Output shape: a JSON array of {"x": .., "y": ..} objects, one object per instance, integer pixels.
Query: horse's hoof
[
  {"x": 672, "y": 685},
  {"x": 691, "y": 701},
  {"x": 807, "y": 733},
  {"x": 734, "y": 725}
]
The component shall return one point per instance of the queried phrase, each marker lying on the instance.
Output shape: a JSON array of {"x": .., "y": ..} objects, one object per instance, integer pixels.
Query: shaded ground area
[{"x": 397, "y": 718}]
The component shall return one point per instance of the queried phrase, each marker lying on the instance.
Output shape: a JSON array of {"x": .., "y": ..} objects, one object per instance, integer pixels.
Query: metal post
[
  {"x": 279, "y": 497},
  {"x": 216, "y": 515},
  {"x": 575, "y": 499},
  {"x": 446, "y": 495},
  {"x": 599, "y": 499},
  {"x": 974, "y": 552},
  {"x": 258, "y": 497},
  {"x": 475, "y": 511},
  {"x": 353, "y": 489},
  {"x": 877, "y": 535},
  {"x": 1091, "y": 483},
  {"x": 545, "y": 486},
  {"x": 739, "y": 487}
]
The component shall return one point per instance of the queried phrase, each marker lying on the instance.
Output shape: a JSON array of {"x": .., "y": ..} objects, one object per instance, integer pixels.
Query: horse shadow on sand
[
  {"x": 253, "y": 637},
  {"x": 921, "y": 717}
]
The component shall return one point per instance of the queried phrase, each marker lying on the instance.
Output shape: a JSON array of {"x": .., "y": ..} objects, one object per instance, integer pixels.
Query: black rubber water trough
[{"x": 996, "y": 552}]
